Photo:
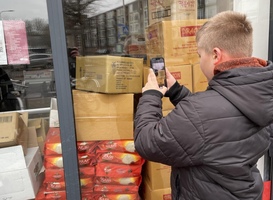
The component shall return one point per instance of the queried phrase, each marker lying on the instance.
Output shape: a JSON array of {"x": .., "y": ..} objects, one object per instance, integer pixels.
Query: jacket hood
[{"x": 250, "y": 89}]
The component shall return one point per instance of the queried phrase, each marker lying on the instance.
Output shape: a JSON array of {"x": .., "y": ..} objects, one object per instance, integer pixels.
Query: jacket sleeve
[
  {"x": 172, "y": 140},
  {"x": 177, "y": 92}
]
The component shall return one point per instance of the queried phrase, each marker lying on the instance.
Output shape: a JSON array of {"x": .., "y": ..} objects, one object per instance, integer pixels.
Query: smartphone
[{"x": 158, "y": 66}]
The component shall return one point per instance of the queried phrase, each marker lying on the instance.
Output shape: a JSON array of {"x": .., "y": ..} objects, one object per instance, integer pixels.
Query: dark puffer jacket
[{"x": 212, "y": 139}]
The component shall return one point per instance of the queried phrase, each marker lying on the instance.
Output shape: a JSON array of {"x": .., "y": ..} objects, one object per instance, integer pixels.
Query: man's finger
[{"x": 151, "y": 76}]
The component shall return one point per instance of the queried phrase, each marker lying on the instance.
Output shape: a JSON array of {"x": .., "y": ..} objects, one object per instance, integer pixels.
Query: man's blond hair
[{"x": 229, "y": 31}]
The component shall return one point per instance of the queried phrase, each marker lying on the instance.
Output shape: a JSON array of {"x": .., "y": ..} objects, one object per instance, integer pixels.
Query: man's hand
[
  {"x": 170, "y": 79},
  {"x": 152, "y": 84}
]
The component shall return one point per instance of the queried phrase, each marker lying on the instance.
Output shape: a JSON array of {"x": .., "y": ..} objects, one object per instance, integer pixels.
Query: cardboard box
[
  {"x": 158, "y": 194},
  {"x": 109, "y": 74},
  {"x": 137, "y": 49},
  {"x": 22, "y": 179},
  {"x": 41, "y": 127},
  {"x": 157, "y": 175},
  {"x": 174, "y": 41},
  {"x": 53, "y": 114},
  {"x": 103, "y": 116},
  {"x": 200, "y": 81},
  {"x": 160, "y": 10},
  {"x": 13, "y": 129}
]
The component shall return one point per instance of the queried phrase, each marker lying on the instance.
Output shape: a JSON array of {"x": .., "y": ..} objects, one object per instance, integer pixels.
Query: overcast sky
[
  {"x": 23, "y": 9},
  {"x": 30, "y": 9}
]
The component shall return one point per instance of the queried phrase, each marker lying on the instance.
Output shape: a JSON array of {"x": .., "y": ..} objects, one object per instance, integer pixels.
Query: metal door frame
[{"x": 64, "y": 99}]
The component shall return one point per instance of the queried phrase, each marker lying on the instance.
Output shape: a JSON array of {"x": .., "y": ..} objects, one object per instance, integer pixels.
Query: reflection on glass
[
  {"x": 93, "y": 27},
  {"x": 29, "y": 65}
]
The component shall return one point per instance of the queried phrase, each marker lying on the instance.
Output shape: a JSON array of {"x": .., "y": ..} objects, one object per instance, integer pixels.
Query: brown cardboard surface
[
  {"x": 174, "y": 41},
  {"x": 9, "y": 129},
  {"x": 109, "y": 74},
  {"x": 32, "y": 137},
  {"x": 158, "y": 194},
  {"x": 200, "y": 82},
  {"x": 157, "y": 175},
  {"x": 90, "y": 129},
  {"x": 103, "y": 116},
  {"x": 13, "y": 129},
  {"x": 171, "y": 10},
  {"x": 41, "y": 126}
]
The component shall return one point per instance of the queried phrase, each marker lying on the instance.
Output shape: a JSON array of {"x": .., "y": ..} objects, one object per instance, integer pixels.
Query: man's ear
[{"x": 217, "y": 55}]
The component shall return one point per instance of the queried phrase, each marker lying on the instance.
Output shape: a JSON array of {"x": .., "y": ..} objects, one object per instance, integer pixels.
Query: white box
[
  {"x": 12, "y": 158},
  {"x": 23, "y": 182}
]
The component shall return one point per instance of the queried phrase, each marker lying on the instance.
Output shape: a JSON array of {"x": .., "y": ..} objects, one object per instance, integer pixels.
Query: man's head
[{"x": 225, "y": 36}]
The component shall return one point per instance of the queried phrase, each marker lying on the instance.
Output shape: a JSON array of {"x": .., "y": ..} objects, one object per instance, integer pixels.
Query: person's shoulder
[{"x": 203, "y": 95}]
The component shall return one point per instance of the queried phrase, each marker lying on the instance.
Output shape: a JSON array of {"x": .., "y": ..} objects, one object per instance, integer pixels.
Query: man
[{"x": 212, "y": 139}]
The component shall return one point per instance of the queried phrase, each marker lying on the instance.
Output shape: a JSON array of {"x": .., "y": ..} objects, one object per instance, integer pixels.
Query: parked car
[{"x": 40, "y": 60}]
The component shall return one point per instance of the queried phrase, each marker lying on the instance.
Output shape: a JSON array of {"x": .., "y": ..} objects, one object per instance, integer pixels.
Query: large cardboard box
[
  {"x": 103, "y": 116},
  {"x": 13, "y": 129},
  {"x": 157, "y": 194},
  {"x": 183, "y": 75},
  {"x": 109, "y": 74},
  {"x": 174, "y": 41},
  {"x": 200, "y": 81},
  {"x": 22, "y": 178},
  {"x": 160, "y": 10},
  {"x": 157, "y": 175}
]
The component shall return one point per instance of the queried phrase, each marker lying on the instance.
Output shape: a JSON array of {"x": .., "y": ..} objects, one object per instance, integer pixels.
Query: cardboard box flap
[
  {"x": 35, "y": 123},
  {"x": 32, "y": 137}
]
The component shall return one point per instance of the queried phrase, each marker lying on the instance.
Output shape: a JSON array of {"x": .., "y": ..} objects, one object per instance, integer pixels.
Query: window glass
[
  {"x": 93, "y": 27},
  {"x": 25, "y": 55}
]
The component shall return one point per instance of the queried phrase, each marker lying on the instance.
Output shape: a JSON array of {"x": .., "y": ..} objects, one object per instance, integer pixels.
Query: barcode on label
[{"x": 5, "y": 119}]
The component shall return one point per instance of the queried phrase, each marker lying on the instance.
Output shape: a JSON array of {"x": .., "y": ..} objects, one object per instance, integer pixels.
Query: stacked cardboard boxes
[
  {"x": 105, "y": 120},
  {"x": 108, "y": 120},
  {"x": 103, "y": 116},
  {"x": 174, "y": 40}
]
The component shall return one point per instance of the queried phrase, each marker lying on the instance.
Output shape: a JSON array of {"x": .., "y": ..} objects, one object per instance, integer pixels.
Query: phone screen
[{"x": 158, "y": 65}]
